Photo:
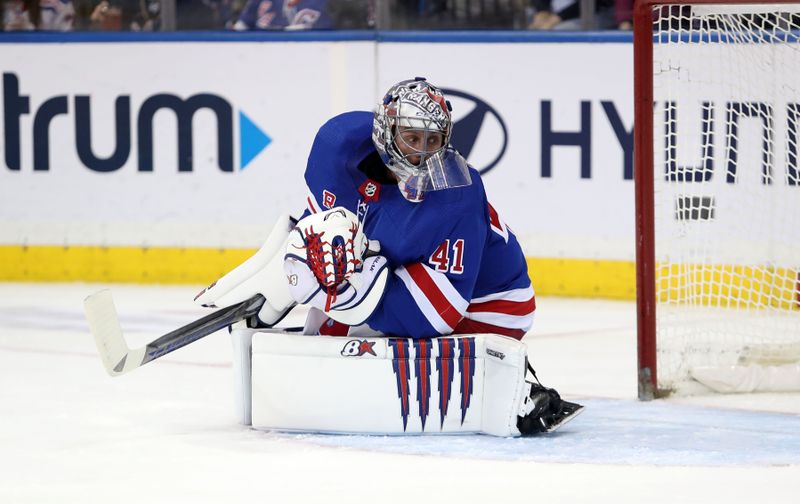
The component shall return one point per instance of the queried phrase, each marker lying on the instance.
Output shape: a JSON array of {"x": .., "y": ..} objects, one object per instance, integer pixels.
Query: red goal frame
[{"x": 643, "y": 178}]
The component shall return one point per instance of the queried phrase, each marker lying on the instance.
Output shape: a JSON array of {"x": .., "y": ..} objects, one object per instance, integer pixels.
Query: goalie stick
[{"x": 119, "y": 359}]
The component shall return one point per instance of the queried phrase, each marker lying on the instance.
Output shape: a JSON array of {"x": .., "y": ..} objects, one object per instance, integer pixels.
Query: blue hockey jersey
[{"x": 456, "y": 267}]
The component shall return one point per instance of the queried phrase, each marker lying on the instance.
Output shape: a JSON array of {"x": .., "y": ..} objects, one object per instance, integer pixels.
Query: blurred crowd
[{"x": 157, "y": 15}]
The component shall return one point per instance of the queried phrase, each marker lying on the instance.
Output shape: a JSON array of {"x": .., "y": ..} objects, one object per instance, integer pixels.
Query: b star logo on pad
[{"x": 357, "y": 348}]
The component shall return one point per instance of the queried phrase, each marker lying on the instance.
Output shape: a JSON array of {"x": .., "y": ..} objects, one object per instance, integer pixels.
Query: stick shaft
[{"x": 211, "y": 323}]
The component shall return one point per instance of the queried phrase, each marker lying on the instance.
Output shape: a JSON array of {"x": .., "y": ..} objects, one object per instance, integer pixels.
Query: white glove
[
  {"x": 325, "y": 266},
  {"x": 352, "y": 302},
  {"x": 331, "y": 243}
]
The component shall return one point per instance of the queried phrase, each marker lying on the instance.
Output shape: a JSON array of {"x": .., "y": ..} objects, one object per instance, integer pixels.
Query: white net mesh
[{"x": 726, "y": 84}]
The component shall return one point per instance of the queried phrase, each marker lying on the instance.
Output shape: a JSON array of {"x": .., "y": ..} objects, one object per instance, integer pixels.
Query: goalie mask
[{"x": 411, "y": 131}]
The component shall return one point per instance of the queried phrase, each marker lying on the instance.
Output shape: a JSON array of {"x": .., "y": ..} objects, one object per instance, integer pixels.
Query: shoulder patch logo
[
  {"x": 328, "y": 199},
  {"x": 370, "y": 190}
]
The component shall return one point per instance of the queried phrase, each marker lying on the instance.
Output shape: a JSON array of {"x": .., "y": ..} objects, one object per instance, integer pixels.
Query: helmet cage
[{"x": 411, "y": 106}]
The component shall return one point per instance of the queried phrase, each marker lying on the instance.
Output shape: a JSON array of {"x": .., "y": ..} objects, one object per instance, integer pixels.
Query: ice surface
[
  {"x": 166, "y": 432},
  {"x": 621, "y": 432}
]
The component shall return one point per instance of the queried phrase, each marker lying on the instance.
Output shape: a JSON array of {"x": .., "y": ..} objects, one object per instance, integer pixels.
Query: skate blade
[{"x": 566, "y": 419}]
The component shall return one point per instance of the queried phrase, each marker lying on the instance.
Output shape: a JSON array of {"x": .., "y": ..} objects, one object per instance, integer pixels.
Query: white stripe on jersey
[
  {"x": 503, "y": 320},
  {"x": 496, "y": 223},
  {"x": 500, "y": 317},
  {"x": 502, "y": 231},
  {"x": 518, "y": 295}
]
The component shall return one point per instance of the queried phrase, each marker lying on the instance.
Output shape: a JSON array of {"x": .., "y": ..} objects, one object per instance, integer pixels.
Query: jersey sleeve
[
  {"x": 331, "y": 174},
  {"x": 430, "y": 297}
]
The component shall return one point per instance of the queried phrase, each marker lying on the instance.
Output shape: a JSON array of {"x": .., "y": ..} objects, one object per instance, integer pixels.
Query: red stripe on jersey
[
  {"x": 468, "y": 326},
  {"x": 438, "y": 300},
  {"x": 496, "y": 224},
  {"x": 311, "y": 205},
  {"x": 494, "y": 218},
  {"x": 520, "y": 308}
]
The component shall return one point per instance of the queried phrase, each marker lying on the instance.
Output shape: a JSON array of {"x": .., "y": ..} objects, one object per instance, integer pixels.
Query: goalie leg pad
[
  {"x": 260, "y": 274},
  {"x": 466, "y": 384},
  {"x": 242, "y": 342}
]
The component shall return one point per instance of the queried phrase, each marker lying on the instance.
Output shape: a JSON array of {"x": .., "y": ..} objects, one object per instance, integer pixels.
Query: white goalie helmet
[{"x": 411, "y": 131}]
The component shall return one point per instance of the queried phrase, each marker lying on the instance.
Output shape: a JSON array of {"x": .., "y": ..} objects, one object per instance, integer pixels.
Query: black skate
[{"x": 544, "y": 411}]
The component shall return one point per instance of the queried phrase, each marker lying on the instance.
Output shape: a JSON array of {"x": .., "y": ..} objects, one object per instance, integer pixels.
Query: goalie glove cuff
[{"x": 355, "y": 300}]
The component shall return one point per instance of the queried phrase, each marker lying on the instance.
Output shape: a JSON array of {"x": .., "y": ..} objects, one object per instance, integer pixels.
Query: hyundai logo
[{"x": 481, "y": 132}]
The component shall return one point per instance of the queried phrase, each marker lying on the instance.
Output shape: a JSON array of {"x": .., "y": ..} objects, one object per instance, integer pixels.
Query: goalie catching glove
[{"x": 326, "y": 266}]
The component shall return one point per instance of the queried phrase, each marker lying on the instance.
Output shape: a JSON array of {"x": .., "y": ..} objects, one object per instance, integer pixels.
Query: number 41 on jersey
[{"x": 449, "y": 259}]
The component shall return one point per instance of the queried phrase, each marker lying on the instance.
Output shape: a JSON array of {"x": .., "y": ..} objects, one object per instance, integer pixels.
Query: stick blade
[{"x": 104, "y": 326}]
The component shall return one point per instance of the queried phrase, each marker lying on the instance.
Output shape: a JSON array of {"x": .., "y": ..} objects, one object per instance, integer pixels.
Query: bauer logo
[
  {"x": 357, "y": 348},
  {"x": 80, "y": 110},
  {"x": 479, "y": 132}
]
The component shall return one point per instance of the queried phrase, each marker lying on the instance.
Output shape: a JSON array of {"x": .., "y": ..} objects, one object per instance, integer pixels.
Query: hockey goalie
[{"x": 418, "y": 293}]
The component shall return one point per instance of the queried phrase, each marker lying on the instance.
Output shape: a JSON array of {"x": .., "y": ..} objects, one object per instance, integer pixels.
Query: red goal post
[{"x": 645, "y": 177}]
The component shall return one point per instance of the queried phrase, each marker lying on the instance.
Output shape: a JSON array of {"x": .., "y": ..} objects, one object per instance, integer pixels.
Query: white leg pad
[
  {"x": 465, "y": 384},
  {"x": 269, "y": 281},
  {"x": 262, "y": 273},
  {"x": 242, "y": 340}
]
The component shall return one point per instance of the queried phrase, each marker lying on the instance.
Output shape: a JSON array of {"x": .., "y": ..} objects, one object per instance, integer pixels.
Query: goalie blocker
[{"x": 465, "y": 384}]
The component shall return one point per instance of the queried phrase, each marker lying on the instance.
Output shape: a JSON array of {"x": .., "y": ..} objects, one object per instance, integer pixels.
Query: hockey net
[{"x": 718, "y": 196}]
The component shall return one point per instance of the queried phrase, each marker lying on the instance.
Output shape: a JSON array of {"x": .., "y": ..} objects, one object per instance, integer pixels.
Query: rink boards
[{"x": 166, "y": 160}]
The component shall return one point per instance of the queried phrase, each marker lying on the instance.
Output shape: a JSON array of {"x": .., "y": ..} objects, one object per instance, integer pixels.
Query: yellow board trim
[
  {"x": 728, "y": 286},
  {"x": 166, "y": 265},
  {"x": 587, "y": 278},
  {"x": 724, "y": 285},
  {"x": 169, "y": 265}
]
